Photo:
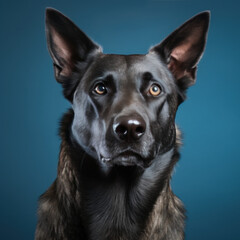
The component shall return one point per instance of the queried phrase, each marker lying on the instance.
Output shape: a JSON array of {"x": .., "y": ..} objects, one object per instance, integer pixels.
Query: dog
[{"x": 119, "y": 140}]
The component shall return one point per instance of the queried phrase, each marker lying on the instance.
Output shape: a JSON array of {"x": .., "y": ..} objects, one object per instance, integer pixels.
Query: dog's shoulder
[{"x": 166, "y": 221}]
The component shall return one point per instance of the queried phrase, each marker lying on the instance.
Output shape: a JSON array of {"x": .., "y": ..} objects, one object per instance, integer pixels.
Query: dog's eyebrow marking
[
  {"x": 147, "y": 76},
  {"x": 109, "y": 77}
]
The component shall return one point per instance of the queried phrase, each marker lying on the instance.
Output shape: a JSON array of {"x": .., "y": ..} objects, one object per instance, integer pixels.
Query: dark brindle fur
[{"x": 119, "y": 140}]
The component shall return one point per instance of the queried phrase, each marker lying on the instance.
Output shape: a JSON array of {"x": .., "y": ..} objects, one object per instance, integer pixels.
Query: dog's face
[
  {"x": 124, "y": 109},
  {"x": 125, "y": 105}
]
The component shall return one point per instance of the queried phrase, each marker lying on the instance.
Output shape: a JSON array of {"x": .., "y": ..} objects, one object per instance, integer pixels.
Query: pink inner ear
[
  {"x": 187, "y": 51},
  {"x": 63, "y": 52},
  {"x": 184, "y": 57},
  {"x": 179, "y": 59},
  {"x": 181, "y": 53},
  {"x": 176, "y": 68}
]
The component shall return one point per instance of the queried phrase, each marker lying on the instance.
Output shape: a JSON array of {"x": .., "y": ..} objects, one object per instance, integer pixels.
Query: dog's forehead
[
  {"x": 131, "y": 66},
  {"x": 148, "y": 63}
]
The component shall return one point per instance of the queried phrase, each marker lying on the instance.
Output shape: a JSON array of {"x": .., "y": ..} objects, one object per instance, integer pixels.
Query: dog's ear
[
  {"x": 71, "y": 50},
  {"x": 182, "y": 49}
]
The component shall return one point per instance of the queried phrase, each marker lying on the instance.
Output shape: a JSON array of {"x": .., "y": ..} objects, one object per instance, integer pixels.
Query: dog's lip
[
  {"x": 127, "y": 158},
  {"x": 124, "y": 154}
]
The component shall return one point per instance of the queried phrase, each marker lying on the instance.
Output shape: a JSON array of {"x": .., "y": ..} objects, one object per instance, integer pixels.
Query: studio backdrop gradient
[{"x": 207, "y": 177}]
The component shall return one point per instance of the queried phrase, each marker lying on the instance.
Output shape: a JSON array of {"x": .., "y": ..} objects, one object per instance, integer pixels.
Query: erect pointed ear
[
  {"x": 71, "y": 50},
  {"x": 182, "y": 49}
]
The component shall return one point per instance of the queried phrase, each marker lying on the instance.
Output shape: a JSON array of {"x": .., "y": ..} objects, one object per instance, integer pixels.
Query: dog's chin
[{"x": 127, "y": 159}]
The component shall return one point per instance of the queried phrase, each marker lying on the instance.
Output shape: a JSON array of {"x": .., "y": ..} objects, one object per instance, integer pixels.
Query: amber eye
[
  {"x": 100, "y": 89},
  {"x": 155, "y": 90}
]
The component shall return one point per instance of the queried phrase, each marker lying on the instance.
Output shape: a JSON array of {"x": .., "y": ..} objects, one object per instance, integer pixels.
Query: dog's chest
[{"x": 111, "y": 212}]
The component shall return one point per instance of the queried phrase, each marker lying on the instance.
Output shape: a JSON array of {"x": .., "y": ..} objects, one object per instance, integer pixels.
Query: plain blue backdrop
[{"x": 207, "y": 177}]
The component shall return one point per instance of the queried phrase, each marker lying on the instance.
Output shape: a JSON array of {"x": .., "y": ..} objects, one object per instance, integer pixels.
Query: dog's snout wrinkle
[{"x": 129, "y": 128}]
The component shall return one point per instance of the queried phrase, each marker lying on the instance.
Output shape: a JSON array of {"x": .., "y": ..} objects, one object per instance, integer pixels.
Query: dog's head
[{"x": 125, "y": 105}]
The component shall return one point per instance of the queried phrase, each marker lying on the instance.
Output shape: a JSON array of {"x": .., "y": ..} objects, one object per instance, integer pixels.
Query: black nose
[{"x": 129, "y": 127}]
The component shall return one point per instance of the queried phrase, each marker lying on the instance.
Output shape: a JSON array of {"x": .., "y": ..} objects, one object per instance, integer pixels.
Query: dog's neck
[{"x": 120, "y": 199}]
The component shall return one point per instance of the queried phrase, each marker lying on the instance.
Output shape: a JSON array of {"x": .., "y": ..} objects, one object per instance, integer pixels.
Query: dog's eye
[
  {"x": 155, "y": 90},
  {"x": 100, "y": 89}
]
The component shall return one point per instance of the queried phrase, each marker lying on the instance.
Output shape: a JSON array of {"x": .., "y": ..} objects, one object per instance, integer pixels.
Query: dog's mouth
[{"x": 127, "y": 158}]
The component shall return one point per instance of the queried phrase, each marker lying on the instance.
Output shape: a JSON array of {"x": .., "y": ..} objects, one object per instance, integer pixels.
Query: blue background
[{"x": 207, "y": 177}]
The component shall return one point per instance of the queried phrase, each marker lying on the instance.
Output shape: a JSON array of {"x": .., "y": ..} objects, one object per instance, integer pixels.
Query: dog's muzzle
[{"x": 128, "y": 132}]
